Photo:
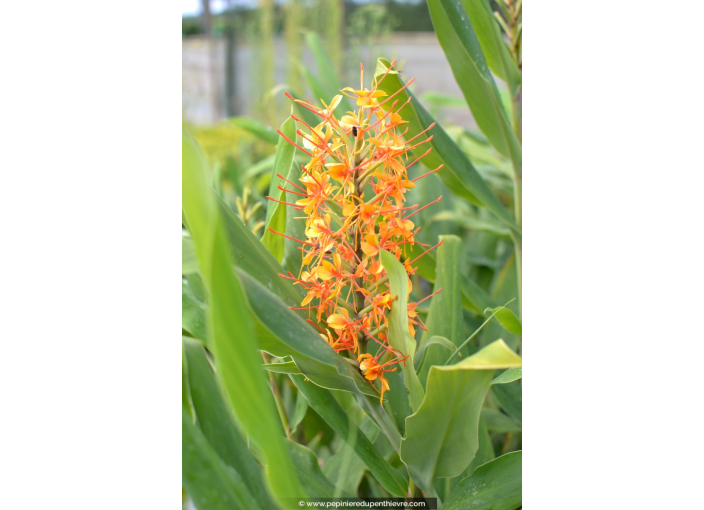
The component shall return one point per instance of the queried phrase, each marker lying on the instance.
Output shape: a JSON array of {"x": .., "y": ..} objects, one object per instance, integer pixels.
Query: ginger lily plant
[{"x": 371, "y": 390}]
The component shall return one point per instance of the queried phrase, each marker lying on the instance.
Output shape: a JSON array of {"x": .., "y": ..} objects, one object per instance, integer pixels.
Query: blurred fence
[{"x": 208, "y": 96}]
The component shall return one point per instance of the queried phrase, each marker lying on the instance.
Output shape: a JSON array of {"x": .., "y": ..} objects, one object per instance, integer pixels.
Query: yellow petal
[
  {"x": 323, "y": 273},
  {"x": 337, "y": 321},
  {"x": 369, "y": 249},
  {"x": 335, "y": 101},
  {"x": 349, "y": 121},
  {"x": 337, "y": 171}
]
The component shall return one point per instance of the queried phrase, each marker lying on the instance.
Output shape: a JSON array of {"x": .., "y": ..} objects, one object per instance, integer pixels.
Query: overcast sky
[{"x": 192, "y": 7}]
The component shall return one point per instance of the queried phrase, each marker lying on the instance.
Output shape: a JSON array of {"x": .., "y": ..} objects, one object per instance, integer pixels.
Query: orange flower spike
[{"x": 342, "y": 267}]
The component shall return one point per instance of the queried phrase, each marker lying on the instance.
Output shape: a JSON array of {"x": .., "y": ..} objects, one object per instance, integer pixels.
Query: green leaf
[
  {"x": 288, "y": 367},
  {"x": 344, "y": 468},
  {"x": 510, "y": 399},
  {"x": 464, "y": 54},
  {"x": 491, "y": 40},
  {"x": 334, "y": 415},
  {"x": 189, "y": 262},
  {"x": 192, "y": 311},
  {"x": 299, "y": 412},
  {"x": 507, "y": 319},
  {"x": 440, "y": 100},
  {"x": 494, "y": 486},
  {"x": 434, "y": 340},
  {"x": 253, "y": 258},
  {"x": 458, "y": 174},
  {"x": 311, "y": 477},
  {"x": 217, "y": 426},
  {"x": 497, "y": 421},
  {"x": 231, "y": 329},
  {"x": 473, "y": 297},
  {"x": 504, "y": 289},
  {"x": 485, "y": 453},
  {"x": 210, "y": 484},
  {"x": 510, "y": 375},
  {"x": 442, "y": 436},
  {"x": 255, "y": 127},
  {"x": 258, "y": 168},
  {"x": 326, "y": 71},
  {"x": 276, "y": 212},
  {"x": 445, "y": 315},
  {"x": 295, "y": 228},
  {"x": 470, "y": 223},
  {"x": 318, "y": 89},
  {"x": 397, "y": 402},
  {"x": 399, "y": 336},
  {"x": 186, "y": 401},
  {"x": 281, "y": 332}
]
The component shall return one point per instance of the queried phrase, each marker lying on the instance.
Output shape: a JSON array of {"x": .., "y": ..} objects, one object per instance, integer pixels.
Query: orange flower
[
  {"x": 371, "y": 245},
  {"x": 373, "y": 370},
  {"x": 340, "y": 321},
  {"x": 365, "y": 98}
]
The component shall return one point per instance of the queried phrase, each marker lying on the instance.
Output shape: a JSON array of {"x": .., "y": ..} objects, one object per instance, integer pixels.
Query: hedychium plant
[
  {"x": 351, "y": 350},
  {"x": 353, "y": 202}
]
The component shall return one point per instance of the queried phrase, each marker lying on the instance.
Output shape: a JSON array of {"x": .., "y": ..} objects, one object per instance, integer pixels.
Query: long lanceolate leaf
[
  {"x": 473, "y": 296},
  {"x": 399, "y": 336},
  {"x": 251, "y": 256},
  {"x": 192, "y": 310},
  {"x": 457, "y": 172},
  {"x": 295, "y": 229},
  {"x": 209, "y": 482},
  {"x": 231, "y": 330},
  {"x": 312, "y": 478},
  {"x": 255, "y": 127},
  {"x": 188, "y": 255},
  {"x": 442, "y": 436},
  {"x": 283, "y": 333},
  {"x": 344, "y": 467},
  {"x": 215, "y": 422},
  {"x": 490, "y": 38},
  {"x": 464, "y": 53},
  {"x": 445, "y": 315},
  {"x": 329, "y": 82},
  {"x": 330, "y": 410}
]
